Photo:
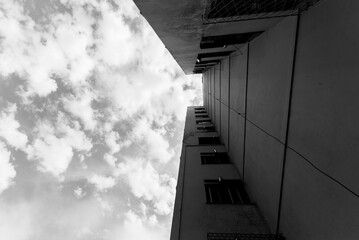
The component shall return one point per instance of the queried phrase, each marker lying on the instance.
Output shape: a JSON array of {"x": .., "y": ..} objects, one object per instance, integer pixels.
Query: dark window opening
[
  {"x": 225, "y": 192},
  {"x": 202, "y": 116},
  {"x": 199, "y": 108},
  {"x": 225, "y": 40},
  {"x": 200, "y": 111},
  {"x": 214, "y": 158},
  {"x": 209, "y": 140},
  {"x": 200, "y": 56},
  {"x": 206, "y": 129}
]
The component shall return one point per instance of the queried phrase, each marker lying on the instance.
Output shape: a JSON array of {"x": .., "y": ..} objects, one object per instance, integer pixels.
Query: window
[
  {"x": 224, "y": 40},
  {"x": 199, "y": 108},
  {"x": 214, "y": 158},
  {"x": 202, "y": 116},
  {"x": 225, "y": 192},
  {"x": 206, "y": 129},
  {"x": 203, "y": 121},
  {"x": 200, "y": 111},
  {"x": 209, "y": 140}
]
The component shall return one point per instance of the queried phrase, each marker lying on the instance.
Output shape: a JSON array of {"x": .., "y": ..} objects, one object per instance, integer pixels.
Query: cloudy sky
[{"x": 92, "y": 109}]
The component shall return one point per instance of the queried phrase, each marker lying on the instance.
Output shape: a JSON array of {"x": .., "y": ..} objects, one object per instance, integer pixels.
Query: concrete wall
[
  {"x": 324, "y": 126},
  {"x": 304, "y": 177},
  {"x": 193, "y": 218},
  {"x": 269, "y": 78}
]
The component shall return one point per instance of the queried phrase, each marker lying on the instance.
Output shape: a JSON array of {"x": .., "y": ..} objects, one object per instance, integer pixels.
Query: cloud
[
  {"x": 54, "y": 154},
  {"x": 79, "y": 193},
  {"x": 54, "y": 146},
  {"x": 50, "y": 215},
  {"x": 9, "y": 128},
  {"x": 146, "y": 183},
  {"x": 116, "y": 44},
  {"x": 134, "y": 227},
  {"x": 23, "y": 52},
  {"x": 74, "y": 136},
  {"x": 79, "y": 105},
  {"x": 111, "y": 160},
  {"x": 102, "y": 183},
  {"x": 7, "y": 170},
  {"x": 93, "y": 82},
  {"x": 156, "y": 146},
  {"x": 111, "y": 141}
]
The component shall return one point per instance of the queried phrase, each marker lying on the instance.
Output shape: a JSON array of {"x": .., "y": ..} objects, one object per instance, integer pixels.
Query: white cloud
[
  {"x": 116, "y": 44},
  {"x": 157, "y": 147},
  {"x": 79, "y": 193},
  {"x": 9, "y": 128},
  {"x": 152, "y": 220},
  {"x": 102, "y": 183},
  {"x": 146, "y": 183},
  {"x": 80, "y": 106},
  {"x": 54, "y": 154},
  {"x": 105, "y": 205},
  {"x": 114, "y": 142},
  {"x": 24, "y": 53},
  {"x": 7, "y": 170},
  {"x": 110, "y": 159},
  {"x": 111, "y": 141},
  {"x": 135, "y": 227},
  {"x": 40, "y": 54},
  {"x": 54, "y": 147},
  {"x": 73, "y": 135}
]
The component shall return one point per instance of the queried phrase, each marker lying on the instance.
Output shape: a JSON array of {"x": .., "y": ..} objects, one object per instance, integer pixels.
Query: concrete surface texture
[{"x": 293, "y": 129}]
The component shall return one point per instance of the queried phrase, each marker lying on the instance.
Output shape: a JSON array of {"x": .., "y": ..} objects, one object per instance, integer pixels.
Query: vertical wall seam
[
  {"x": 229, "y": 100},
  {"x": 287, "y": 124},
  {"x": 214, "y": 95},
  {"x": 245, "y": 115},
  {"x": 220, "y": 98}
]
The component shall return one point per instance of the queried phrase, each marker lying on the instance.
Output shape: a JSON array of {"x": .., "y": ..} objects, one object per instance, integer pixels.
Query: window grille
[
  {"x": 202, "y": 116},
  {"x": 242, "y": 236},
  {"x": 203, "y": 121},
  {"x": 214, "y": 158},
  {"x": 225, "y": 40},
  {"x": 210, "y": 55},
  {"x": 206, "y": 129},
  {"x": 225, "y": 192},
  {"x": 209, "y": 140},
  {"x": 218, "y": 11},
  {"x": 200, "y": 111}
]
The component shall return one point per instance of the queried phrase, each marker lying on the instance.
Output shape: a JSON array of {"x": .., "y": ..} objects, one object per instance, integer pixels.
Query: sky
[{"x": 92, "y": 110}]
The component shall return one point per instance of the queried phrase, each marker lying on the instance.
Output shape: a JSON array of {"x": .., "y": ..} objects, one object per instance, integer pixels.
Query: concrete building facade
[{"x": 285, "y": 106}]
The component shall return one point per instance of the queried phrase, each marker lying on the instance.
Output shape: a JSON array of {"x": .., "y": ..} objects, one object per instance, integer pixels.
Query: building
[{"x": 280, "y": 90}]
